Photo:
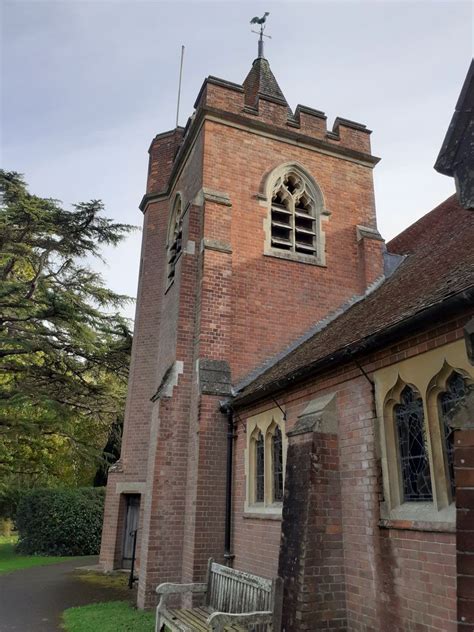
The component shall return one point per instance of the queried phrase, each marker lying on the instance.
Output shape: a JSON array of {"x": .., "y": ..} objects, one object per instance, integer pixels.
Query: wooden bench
[{"x": 234, "y": 601}]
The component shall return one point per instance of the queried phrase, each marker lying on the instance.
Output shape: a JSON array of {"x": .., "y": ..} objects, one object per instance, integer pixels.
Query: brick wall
[
  {"x": 264, "y": 286},
  {"x": 400, "y": 578},
  {"x": 311, "y": 561},
  {"x": 228, "y": 303}
]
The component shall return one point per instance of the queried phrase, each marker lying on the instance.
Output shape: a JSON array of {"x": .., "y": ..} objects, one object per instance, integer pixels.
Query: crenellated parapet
[
  {"x": 224, "y": 97},
  {"x": 259, "y": 106}
]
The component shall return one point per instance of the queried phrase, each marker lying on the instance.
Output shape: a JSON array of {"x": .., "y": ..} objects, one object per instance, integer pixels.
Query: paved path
[{"x": 32, "y": 600}]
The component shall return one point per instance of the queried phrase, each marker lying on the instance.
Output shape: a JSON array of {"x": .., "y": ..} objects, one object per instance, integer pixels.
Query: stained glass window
[
  {"x": 454, "y": 393},
  {"x": 277, "y": 454},
  {"x": 415, "y": 467},
  {"x": 259, "y": 469}
]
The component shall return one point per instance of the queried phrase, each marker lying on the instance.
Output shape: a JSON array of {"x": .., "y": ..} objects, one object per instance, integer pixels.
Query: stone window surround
[
  {"x": 321, "y": 214},
  {"x": 428, "y": 373},
  {"x": 187, "y": 247},
  {"x": 265, "y": 423}
]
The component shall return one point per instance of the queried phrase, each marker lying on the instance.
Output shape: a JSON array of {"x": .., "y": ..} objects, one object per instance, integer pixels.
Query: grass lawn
[
  {"x": 10, "y": 561},
  {"x": 114, "y": 616}
]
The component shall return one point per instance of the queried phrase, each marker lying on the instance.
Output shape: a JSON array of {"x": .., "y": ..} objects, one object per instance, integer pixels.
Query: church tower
[{"x": 259, "y": 222}]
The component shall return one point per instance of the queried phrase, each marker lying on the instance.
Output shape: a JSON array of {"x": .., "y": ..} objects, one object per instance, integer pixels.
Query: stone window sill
[
  {"x": 263, "y": 512},
  {"x": 419, "y": 517},
  {"x": 291, "y": 256},
  {"x": 253, "y": 515}
]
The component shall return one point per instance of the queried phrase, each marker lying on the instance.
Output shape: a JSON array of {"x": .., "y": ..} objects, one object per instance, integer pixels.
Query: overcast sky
[{"x": 86, "y": 85}]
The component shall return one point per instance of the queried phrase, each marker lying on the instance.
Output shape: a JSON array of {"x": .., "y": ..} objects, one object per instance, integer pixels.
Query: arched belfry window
[
  {"x": 454, "y": 393},
  {"x": 295, "y": 210},
  {"x": 175, "y": 236},
  {"x": 414, "y": 462},
  {"x": 277, "y": 465}
]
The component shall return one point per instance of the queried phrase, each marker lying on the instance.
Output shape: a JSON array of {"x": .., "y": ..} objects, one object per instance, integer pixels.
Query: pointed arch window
[
  {"x": 259, "y": 469},
  {"x": 265, "y": 462},
  {"x": 277, "y": 465},
  {"x": 175, "y": 237},
  {"x": 293, "y": 216},
  {"x": 414, "y": 462},
  {"x": 293, "y": 226},
  {"x": 454, "y": 393},
  {"x": 417, "y": 444}
]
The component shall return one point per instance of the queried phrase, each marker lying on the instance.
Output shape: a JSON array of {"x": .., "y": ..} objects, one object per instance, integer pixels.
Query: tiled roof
[{"x": 439, "y": 265}]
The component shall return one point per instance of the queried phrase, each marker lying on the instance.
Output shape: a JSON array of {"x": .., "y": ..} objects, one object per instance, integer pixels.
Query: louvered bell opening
[
  {"x": 281, "y": 223},
  {"x": 281, "y": 227},
  {"x": 305, "y": 235},
  {"x": 305, "y": 232},
  {"x": 281, "y": 236},
  {"x": 179, "y": 243},
  {"x": 172, "y": 255}
]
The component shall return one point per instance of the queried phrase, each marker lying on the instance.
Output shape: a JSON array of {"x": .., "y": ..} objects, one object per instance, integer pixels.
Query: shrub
[{"x": 60, "y": 521}]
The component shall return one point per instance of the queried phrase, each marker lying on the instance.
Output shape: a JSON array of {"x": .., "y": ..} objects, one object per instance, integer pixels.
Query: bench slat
[
  {"x": 196, "y": 621},
  {"x": 247, "y": 578}
]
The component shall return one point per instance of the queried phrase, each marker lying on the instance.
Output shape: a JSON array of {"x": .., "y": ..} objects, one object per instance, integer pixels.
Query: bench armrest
[
  {"x": 165, "y": 590},
  {"x": 178, "y": 589},
  {"x": 218, "y": 620}
]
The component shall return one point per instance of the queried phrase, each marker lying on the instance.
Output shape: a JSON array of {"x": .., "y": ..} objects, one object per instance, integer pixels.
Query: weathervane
[{"x": 262, "y": 22}]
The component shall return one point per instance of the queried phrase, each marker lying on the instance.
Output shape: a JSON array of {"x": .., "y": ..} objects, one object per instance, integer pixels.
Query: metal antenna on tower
[
  {"x": 262, "y": 22},
  {"x": 179, "y": 84}
]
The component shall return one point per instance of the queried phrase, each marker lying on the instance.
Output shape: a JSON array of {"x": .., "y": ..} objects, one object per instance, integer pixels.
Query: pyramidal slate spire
[{"x": 261, "y": 82}]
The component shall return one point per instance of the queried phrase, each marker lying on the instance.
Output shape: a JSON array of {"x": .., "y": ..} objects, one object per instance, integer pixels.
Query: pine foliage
[{"x": 64, "y": 347}]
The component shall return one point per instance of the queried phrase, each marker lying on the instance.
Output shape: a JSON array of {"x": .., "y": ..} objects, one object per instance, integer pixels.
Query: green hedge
[{"x": 60, "y": 521}]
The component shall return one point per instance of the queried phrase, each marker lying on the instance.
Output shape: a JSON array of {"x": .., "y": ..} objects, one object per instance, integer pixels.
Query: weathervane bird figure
[{"x": 262, "y": 23}]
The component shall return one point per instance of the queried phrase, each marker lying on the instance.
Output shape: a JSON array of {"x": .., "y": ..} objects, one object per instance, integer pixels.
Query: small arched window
[
  {"x": 454, "y": 393},
  {"x": 259, "y": 469},
  {"x": 414, "y": 462},
  {"x": 175, "y": 237},
  {"x": 277, "y": 465},
  {"x": 294, "y": 217}
]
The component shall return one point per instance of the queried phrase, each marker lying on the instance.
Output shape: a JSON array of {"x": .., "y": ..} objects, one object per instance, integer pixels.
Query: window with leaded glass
[
  {"x": 277, "y": 463},
  {"x": 259, "y": 469},
  {"x": 414, "y": 462},
  {"x": 175, "y": 237},
  {"x": 455, "y": 392},
  {"x": 293, "y": 216}
]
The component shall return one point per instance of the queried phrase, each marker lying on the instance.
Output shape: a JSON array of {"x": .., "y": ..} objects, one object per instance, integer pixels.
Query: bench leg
[{"x": 158, "y": 623}]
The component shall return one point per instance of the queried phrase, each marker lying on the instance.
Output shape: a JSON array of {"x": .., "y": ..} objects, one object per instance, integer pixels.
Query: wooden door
[{"x": 131, "y": 526}]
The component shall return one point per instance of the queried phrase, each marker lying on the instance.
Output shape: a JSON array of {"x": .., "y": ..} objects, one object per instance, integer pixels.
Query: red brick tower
[{"x": 233, "y": 270}]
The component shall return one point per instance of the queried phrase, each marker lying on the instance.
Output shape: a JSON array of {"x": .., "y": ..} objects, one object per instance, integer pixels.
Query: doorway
[{"x": 132, "y": 511}]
